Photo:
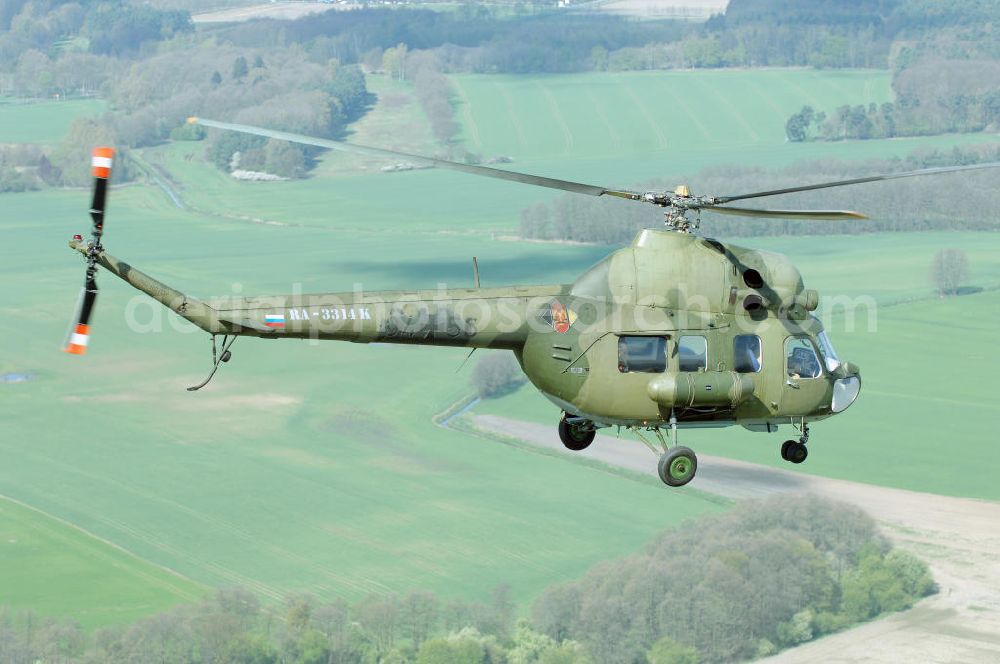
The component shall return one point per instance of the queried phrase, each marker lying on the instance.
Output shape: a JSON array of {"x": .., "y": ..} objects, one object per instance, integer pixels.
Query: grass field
[
  {"x": 302, "y": 468},
  {"x": 592, "y": 116},
  {"x": 42, "y": 121},
  {"x": 53, "y": 568},
  {"x": 316, "y": 467}
]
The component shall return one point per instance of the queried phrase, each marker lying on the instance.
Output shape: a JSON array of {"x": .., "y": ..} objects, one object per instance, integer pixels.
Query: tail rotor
[{"x": 79, "y": 333}]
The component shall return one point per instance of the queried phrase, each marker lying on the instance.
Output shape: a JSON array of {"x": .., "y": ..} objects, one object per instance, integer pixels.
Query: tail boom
[
  {"x": 187, "y": 307},
  {"x": 467, "y": 317},
  {"x": 471, "y": 318}
]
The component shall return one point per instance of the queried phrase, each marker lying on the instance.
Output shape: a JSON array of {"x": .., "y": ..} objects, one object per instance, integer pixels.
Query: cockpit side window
[
  {"x": 801, "y": 360},
  {"x": 642, "y": 354},
  {"x": 746, "y": 353},
  {"x": 692, "y": 353}
]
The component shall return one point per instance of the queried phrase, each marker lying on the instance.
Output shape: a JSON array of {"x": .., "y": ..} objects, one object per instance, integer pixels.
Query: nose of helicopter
[{"x": 846, "y": 390}]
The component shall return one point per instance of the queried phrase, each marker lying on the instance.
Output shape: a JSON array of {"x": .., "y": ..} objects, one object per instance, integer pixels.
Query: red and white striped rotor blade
[{"x": 78, "y": 337}]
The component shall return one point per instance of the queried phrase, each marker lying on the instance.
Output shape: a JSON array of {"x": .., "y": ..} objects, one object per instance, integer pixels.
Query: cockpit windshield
[{"x": 829, "y": 354}]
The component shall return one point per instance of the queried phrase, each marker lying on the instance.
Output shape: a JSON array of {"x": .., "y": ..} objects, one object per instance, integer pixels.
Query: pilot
[
  {"x": 802, "y": 363},
  {"x": 746, "y": 352}
]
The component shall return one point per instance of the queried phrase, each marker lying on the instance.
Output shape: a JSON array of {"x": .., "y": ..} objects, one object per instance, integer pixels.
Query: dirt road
[{"x": 959, "y": 538}]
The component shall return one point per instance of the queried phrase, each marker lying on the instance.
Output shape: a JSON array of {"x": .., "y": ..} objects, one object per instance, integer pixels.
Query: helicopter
[{"x": 676, "y": 331}]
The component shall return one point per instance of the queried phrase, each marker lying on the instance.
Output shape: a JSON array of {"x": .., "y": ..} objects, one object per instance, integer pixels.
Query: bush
[
  {"x": 187, "y": 132},
  {"x": 950, "y": 269},
  {"x": 668, "y": 651},
  {"x": 496, "y": 374}
]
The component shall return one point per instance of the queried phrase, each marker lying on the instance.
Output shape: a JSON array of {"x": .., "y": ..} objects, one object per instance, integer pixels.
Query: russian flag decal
[{"x": 274, "y": 320}]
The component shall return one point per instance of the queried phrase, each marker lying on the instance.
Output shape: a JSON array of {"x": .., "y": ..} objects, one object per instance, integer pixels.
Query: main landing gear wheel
[
  {"x": 576, "y": 436},
  {"x": 677, "y": 466},
  {"x": 794, "y": 451}
]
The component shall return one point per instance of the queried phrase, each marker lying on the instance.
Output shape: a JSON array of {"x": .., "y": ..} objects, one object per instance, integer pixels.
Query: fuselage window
[
  {"x": 642, "y": 354},
  {"x": 692, "y": 353},
  {"x": 800, "y": 358},
  {"x": 746, "y": 353}
]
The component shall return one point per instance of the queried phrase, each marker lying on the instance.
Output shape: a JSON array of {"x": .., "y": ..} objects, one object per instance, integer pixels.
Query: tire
[
  {"x": 785, "y": 447},
  {"x": 574, "y": 437},
  {"x": 678, "y": 466},
  {"x": 797, "y": 452}
]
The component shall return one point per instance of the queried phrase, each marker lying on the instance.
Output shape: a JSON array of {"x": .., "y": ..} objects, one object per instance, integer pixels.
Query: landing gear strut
[
  {"x": 677, "y": 465},
  {"x": 576, "y": 433},
  {"x": 795, "y": 451}
]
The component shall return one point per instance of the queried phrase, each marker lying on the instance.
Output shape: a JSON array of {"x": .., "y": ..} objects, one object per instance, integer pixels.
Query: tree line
[
  {"x": 476, "y": 39},
  {"x": 101, "y": 28},
  {"x": 934, "y": 95},
  {"x": 961, "y": 201},
  {"x": 767, "y": 575},
  {"x": 749, "y": 33}
]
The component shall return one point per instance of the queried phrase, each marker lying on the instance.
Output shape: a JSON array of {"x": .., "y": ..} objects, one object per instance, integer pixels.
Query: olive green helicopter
[{"x": 675, "y": 331}]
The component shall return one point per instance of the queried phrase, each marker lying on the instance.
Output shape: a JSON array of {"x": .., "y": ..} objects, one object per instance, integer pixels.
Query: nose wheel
[{"x": 795, "y": 451}]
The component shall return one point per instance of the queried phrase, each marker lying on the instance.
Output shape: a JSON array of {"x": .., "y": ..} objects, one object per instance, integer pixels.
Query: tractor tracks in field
[{"x": 557, "y": 114}]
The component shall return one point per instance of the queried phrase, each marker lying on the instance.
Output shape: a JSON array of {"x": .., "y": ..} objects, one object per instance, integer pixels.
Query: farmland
[
  {"x": 42, "y": 122},
  {"x": 308, "y": 467},
  {"x": 54, "y": 569}
]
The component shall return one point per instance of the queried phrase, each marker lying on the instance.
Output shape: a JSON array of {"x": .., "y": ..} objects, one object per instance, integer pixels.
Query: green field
[
  {"x": 594, "y": 116},
  {"x": 315, "y": 467},
  {"x": 52, "y": 568},
  {"x": 42, "y": 121},
  {"x": 302, "y": 468}
]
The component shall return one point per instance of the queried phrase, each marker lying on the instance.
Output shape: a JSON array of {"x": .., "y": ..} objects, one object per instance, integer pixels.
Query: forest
[
  {"x": 934, "y": 95},
  {"x": 154, "y": 69},
  {"x": 767, "y": 575}
]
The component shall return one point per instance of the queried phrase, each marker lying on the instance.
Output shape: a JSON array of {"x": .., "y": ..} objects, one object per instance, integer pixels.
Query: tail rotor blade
[
  {"x": 101, "y": 162},
  {"x": 78, "y": 337},
  {"x": 79, "y": 333}
]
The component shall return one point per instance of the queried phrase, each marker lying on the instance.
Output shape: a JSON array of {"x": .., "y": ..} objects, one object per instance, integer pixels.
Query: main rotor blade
[
  {"x": 871, "y": 178},
  {"x": 787, "y": 214},
  {"x": 538, "y": 180}
]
